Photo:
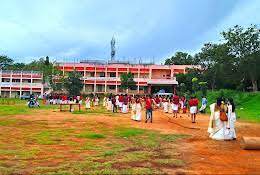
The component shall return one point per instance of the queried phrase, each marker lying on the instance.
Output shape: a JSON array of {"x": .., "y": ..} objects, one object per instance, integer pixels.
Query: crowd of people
[
  {"x": 174, "y": 105},
  {"x": 222, "y": 118}
]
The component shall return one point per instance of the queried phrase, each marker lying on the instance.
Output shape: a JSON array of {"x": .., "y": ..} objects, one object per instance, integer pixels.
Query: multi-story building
[
  {"x": 105, "y": 78},
  {"x": 18, "y": 83}
]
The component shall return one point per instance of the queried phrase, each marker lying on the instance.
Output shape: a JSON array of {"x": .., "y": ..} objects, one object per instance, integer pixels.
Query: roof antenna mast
[{"x": 113, "y": 48}]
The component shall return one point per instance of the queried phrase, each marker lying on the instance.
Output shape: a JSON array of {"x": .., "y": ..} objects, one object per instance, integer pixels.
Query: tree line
[{"x": 231, "y": 64}]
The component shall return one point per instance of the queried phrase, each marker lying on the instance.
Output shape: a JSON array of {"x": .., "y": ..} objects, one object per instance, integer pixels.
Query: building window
[
  {"x": 133, "y": 88},
  {"x": 102, "y": 74},
  {"x": 99, "y": 88},
  {"x": 112, "y": 74},
  {"x": 16, "y": 80},
  {"x": 112, "y": 87},
  {"x": 81, "y": 73},
  {"x": 5, "y": 79},
  {"x": 92, "y": 74}
]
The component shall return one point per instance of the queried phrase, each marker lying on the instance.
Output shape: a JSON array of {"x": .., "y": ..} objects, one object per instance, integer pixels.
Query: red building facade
[
  {"x": 17, "y": 83},
  {"x": 105, "y": 78}
]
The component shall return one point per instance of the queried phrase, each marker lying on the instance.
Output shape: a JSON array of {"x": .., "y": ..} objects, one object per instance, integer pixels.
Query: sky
[{"x": 150, "y": 30}]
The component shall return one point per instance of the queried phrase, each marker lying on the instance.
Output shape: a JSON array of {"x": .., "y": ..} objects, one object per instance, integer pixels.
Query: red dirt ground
[{"x": 201, "y": 154}]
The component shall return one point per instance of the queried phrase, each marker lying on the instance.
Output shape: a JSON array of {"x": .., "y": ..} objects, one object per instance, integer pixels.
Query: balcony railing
[
  {"x": 11, "y": 84},
  {"x": 118, "y": 79},
  {"x": 20, "y": 72}
]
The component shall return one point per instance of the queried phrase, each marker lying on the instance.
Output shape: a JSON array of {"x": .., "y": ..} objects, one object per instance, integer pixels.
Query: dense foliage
[
  {"x": 73, "y": 84},
  {"x": 232, "y": 64},
  {"x": 127, "y": 80}
]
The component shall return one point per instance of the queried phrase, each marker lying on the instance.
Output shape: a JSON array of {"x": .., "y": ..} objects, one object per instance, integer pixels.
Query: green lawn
[
  {"x": 247, "y": 104},
  {"x": 17, "y": 106}
]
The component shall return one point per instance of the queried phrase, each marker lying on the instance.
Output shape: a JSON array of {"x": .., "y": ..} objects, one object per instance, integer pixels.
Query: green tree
[
  {"x": 5, "y": 61},
  {"x": 180, "y": 58},
  {"x": 73, "y": 84},
  {"x": 244, "y": 44},
  {"x": 203, "y": 87},
  {"x": 127, "y": 80},
  {"x": 218, "y": 66}
]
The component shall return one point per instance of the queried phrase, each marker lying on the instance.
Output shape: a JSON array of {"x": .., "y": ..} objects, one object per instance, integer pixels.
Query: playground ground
[{"x": 46, "y": 141}]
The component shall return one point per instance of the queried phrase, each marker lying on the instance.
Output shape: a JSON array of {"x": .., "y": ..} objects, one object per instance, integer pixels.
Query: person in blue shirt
[{"x": 203, "y": 104}]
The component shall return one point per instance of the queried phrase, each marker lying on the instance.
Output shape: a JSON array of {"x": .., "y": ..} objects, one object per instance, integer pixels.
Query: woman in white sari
[
  {"x": 87, "y": 102},
  {"x": 231, "y": 118},
  {"x": 138, "y": 109},
  {"x": 218, "y": 129},
  {"x": 133, "y": 109},
  {"x": 165, "y": 105}
]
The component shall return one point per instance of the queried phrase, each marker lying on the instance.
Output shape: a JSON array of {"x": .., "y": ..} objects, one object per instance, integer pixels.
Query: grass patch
[
  {"x": 172, "y": 137},
  {"x": 247, "y": 103},
  {"x": 50, "y": 137},
  {"x": 90, "y": 135},
  {"x": 136, "y": 156},
  {"x": 11, "y": 106},
  {"x": 8, "y": 122},
  {"x": 91, "y": 146},
  {"x": 129, "y": 132},
  {"x": 20, "y": 154},
  {"x": 170, "y": 162}
]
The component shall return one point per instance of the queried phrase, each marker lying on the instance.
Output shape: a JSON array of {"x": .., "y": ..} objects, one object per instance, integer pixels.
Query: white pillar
[
  {"x": 138, "y": 87},
  {"x": 21, "y": 81},
  {"x": 31, "y": 84},
  {"x": 150, "y": 73},
  {"x": 95, "y": 80},
  {"x": 116, "y": 79},
  {"x": 106, "y": 80},
  {"x": 10, "y": 88}
]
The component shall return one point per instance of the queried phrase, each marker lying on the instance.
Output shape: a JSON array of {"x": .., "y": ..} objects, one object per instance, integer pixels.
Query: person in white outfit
[
  {"x": 138, "y": 108},
  {"x": 231, "y": 118},
  {"x": 218, "y": 129}
]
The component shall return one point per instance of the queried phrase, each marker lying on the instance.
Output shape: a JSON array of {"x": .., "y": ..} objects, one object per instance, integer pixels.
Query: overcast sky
[{"x": 68, "y": 30}]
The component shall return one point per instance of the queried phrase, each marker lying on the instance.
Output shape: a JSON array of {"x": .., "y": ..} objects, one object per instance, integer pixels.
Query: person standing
[
  {"x": 121, "y": 99},
  {"x": 96, "y": 101},
  {"x": 133, "y": 109},
  {"x": 138, "y": 109},
  {"x": 203, "y": 104},
  {"x": 218, "y": 124},
  {"x": 87, "y": 103},
  {"x": 231, "y": 118},
  {"x": 149, "y": 109},
  {"x": 176, "y": 103},
  {"x": 193, "y": 103},
  {"x": 165, "y": 105},
  {"x": 114, "y": 104},
  {"x": 125, "y": 104}
]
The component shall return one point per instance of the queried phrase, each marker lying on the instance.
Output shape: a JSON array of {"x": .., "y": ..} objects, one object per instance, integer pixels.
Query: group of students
[
  {"x": 222, "y": 120},
  {"x": 178, "y": 104},
  {"x": 134, "y": 104},
  {"x": 55, "y": 99}
]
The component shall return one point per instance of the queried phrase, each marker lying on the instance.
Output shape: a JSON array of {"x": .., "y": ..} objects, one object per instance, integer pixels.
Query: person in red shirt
[
  {"x": 121, "y": 99},
  {"x": 175, "y": 105},
  {"x": 193, "y": 103},
  {"x": 149, "y": 109},
  {"x": 157, "y": 100}
]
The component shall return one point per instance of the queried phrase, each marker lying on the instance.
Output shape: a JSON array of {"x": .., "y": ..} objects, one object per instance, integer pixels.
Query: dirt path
[{"x": 201, "y": 154}]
